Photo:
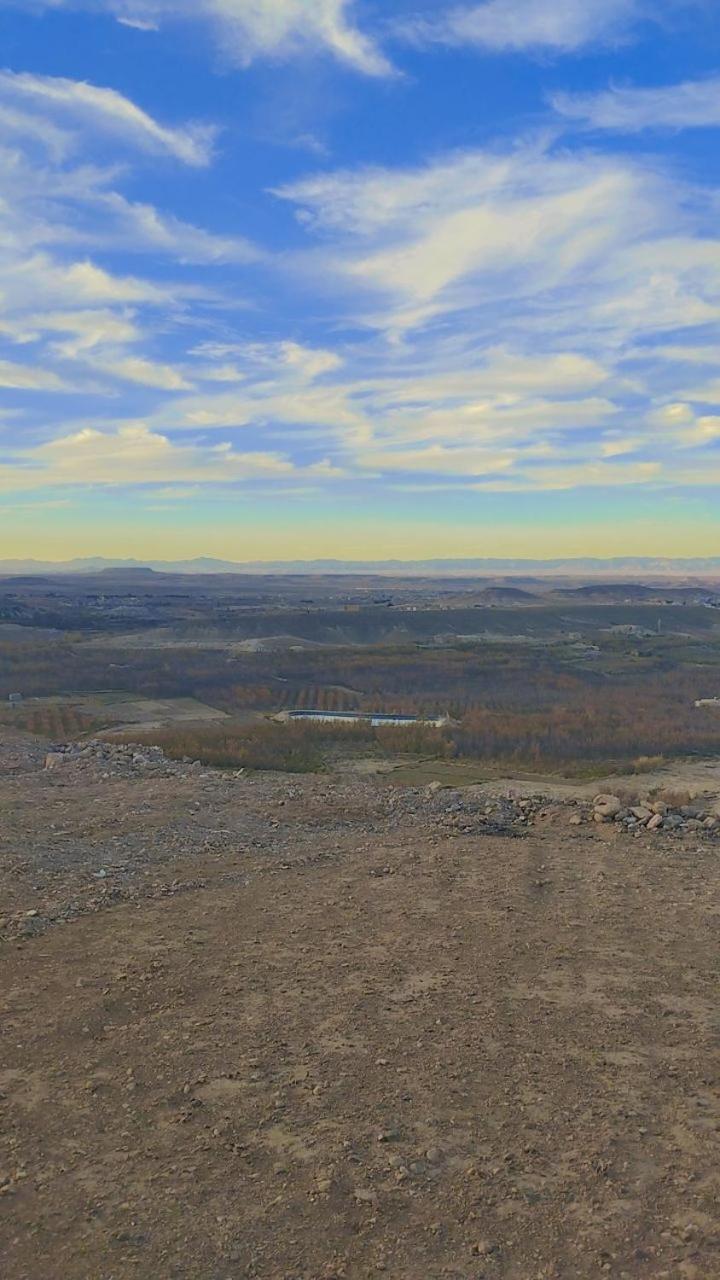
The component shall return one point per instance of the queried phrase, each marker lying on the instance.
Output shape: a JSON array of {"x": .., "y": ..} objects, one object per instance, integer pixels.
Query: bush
[{"x": 292, "y": 747}]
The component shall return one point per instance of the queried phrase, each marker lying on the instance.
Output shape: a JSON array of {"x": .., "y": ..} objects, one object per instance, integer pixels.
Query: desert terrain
[{"x": 332, "y": 1025}]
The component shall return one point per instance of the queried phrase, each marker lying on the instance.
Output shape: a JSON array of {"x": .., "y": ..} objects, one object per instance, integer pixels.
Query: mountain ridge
[{"x": 574, "y": 566}]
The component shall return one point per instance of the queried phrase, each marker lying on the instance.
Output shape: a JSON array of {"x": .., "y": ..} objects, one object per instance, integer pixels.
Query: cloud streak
[
  {"x": 247, "y": 30},
  {"x": 105, "y": 111},
  {"x": 693, "y": 104},
  {"x": 133, "y": 454},
  {"x": 507, "y": 235},
  {"x": 500, "y": 26}
]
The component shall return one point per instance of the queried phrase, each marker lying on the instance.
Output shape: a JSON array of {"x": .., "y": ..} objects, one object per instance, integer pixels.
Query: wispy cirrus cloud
[
  {"x": 247, "y": 30},
  {"x": 29, "y": 377},
  {"x": 509, "y": 236},
  {"x": 65, "y": 224},
  {"x": 582, "y": 262},
  {"x": 557, "y": 26},
  {"x": 73, "y": 331},
  {"x": 692, "y": 104},
  {"x": 146, "y": 373},
  {"x": 502, "y": 318},
  {"x": 99, "y": 110}
]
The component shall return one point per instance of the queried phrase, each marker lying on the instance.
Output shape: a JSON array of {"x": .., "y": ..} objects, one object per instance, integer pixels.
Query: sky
[{"x": 286, "y": 279}]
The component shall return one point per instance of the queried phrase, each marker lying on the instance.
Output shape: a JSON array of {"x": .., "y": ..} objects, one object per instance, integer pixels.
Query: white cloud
[
  {"x": 139, "y": 24},
  {"x": 260, "y": 28},
  {"x": 40, "y": 279},
  {"x": 141, "y": 228},
  {"x": 598, "y": 473},
  {"x": 497, "y": 372},
  {"x": 83, "y": 330},
  {"x": 489, "y": 319},
  {"x": 25, "y": 126},
  {"x": 250, "y": 29},
  {"x": 46, "y": 202},
  {"x": 707, "y": 393},
  {"x": 146, "y": 373},
  {"x": 709, "y": 355},
  {"x": 441, "y": 408},
  {"x": 683, "y": 427},
  {"x": 692, "y": 104},
  {"x": 481, "y": 229},
  {"x": 438, "y": 459},
  {"x": 672, "y": 417},
  {"x": 218, "y": 372},
  {"x": 269, "y": 368},
  {"x": 318, "y": 408},
  {"x": 562, "y": 26},
  {"x": 100, "y": 110},
  {"x": 618, "y": 446},
  {"x": 56, "y": 222},
  {"x": 133, "y": 454},
  {"x": 308, "y": 363},
  {"x": 25, "y": 377},
  {"x": 501, "y": 418}
]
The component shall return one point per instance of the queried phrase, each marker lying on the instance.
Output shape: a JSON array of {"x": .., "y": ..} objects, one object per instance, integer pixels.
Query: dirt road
[{"x": 295, "y": 1031}]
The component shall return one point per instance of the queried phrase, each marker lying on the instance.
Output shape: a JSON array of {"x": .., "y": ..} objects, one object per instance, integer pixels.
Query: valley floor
[{"x": 297, "y": 1029}]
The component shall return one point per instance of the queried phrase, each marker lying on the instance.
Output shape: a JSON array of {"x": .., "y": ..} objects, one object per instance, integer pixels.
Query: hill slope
[{"x": 263, "y": 1028}]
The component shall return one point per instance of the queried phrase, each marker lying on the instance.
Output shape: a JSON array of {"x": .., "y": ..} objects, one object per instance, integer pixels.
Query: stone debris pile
[
  {"x": 656, "y": 815},
  {"x": 455, "y": 813},
  {"x": 458, "y": 815},
  {"x": 115, "y": 757}
]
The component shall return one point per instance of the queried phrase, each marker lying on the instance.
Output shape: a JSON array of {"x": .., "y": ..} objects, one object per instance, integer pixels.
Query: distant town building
[{"x": 376, "y": 720}]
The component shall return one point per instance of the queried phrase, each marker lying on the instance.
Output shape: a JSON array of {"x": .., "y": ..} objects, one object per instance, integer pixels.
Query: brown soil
[
  {"x": 294, "y": 1030},
  {"x": 694, "y": 777}
]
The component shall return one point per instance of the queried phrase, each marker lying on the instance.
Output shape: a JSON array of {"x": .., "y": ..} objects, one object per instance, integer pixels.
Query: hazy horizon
[{"x": 493, "y": 568}]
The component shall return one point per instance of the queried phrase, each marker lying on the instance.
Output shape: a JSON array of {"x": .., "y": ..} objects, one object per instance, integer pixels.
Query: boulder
[
  {"x": 607, "y": 806},
  {"x": 641, "y": 813}
]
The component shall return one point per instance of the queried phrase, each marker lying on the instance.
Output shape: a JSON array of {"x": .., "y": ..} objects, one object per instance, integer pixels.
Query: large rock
[
  {"x": 641, "y": 813},
  {"x": 607, "y": 806}
]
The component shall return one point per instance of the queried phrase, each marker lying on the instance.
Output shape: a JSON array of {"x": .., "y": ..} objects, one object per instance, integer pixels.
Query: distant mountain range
[{"x": 581, "y": 567}]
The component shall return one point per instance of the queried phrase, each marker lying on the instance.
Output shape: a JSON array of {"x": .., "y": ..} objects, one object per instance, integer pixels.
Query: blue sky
[{"x": 289, "y": 278}]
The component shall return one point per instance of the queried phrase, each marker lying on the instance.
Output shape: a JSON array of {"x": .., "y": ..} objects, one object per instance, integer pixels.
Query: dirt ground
[
  {"x": 696, "y": 777},
  {"x": 295, "y": 1029}
]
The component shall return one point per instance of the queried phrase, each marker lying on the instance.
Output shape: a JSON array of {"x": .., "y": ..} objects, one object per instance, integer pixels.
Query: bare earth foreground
[{"x": 325, "y": 1027}]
